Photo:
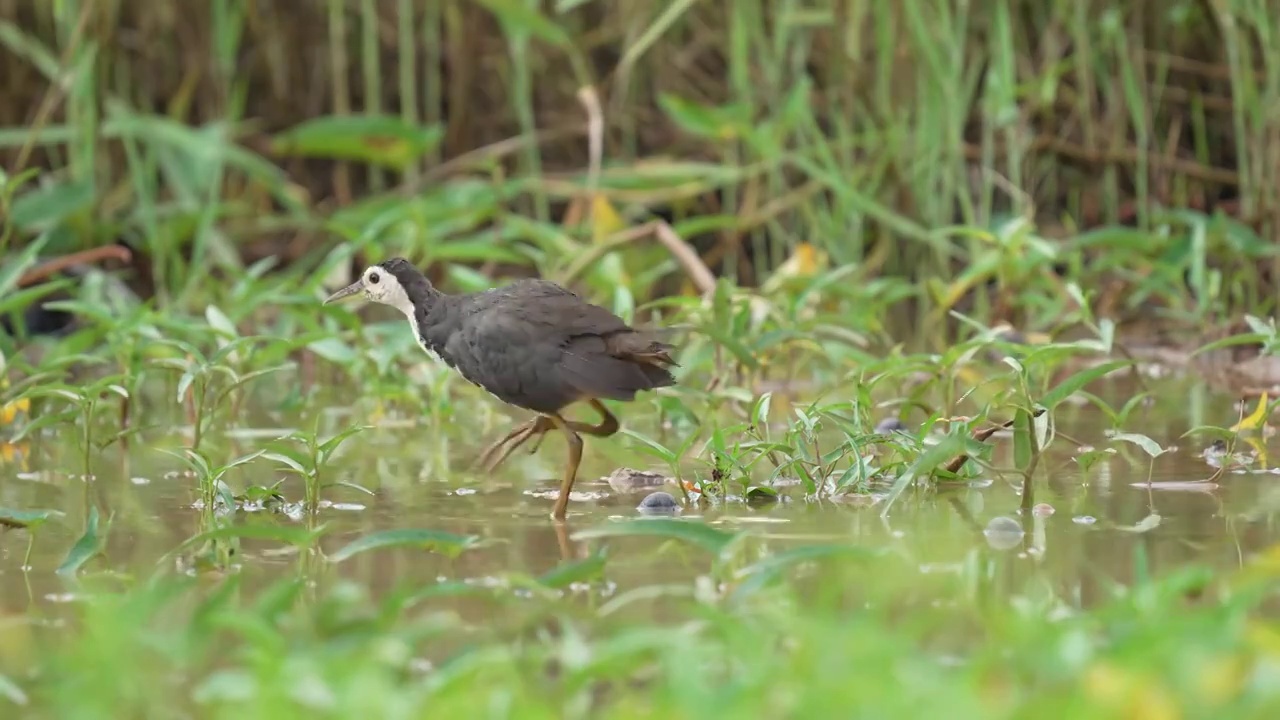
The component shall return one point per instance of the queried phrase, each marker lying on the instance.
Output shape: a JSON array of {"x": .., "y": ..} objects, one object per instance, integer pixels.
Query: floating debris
[
  {"x": 627, "y": 480},
  {"x": 1182, "y": 485},
  {"x": 576, "y": 495},
  {"x": 1084, "y": 519},
  {"x": 350, "y": 506}
]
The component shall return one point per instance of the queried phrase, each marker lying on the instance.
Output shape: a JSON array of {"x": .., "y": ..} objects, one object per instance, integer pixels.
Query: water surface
[{"x": 1104, "y": 526}]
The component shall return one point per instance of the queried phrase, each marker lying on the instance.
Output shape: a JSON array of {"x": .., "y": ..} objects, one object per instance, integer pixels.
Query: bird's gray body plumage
[{"x": 535, "y": 344}]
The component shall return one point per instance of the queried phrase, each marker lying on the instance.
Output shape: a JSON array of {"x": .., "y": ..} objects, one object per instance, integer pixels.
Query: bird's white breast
[{"x": 422, "y": 343}]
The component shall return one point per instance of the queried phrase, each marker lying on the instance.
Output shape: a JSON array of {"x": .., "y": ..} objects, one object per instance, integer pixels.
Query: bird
[{"x": 532, "y": 344}]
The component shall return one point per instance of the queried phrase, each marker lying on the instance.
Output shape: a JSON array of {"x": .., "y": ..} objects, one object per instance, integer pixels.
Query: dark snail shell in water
[{"x": 658, "y": 503}]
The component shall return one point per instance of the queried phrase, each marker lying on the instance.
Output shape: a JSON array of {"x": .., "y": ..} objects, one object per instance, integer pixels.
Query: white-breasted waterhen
[{"x": 532, "y": 344}]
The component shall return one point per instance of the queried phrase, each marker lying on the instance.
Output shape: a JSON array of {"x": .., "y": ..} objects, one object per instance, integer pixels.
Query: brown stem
[
  {"x": 57, "y": 265},
  {"x": 981, "y": 436}
]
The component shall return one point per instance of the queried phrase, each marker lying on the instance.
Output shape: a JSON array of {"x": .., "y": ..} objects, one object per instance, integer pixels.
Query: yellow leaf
[
  {"x": 10, "y": 411},
  {"x": 11, "y": 453},
  {"x": 605, "y": 221},
  {"x": 1256, "y": 418},
  {"x": 1132, "y": 695},
  {"x": 806, "y": 261}
]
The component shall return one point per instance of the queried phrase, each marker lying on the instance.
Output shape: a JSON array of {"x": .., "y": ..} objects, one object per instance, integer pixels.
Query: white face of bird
[{"x": 380, "y": 286}]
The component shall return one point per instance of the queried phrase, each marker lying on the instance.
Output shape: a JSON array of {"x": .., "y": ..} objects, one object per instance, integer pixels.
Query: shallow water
[{"x": 1103, "y": 527}]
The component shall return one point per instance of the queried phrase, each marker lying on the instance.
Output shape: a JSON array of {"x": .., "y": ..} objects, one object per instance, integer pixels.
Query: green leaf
[
  {"x": 948, "y": 447},
  {"x": 1087, "y": 459},
  {"x": 86, "y": 548},
  {"x": 1251, "y": 338},
  {"x": 47, "y": 419},
  {"x": 350, "y": 486},
  {"x": 1214, "y": 431},
  {"x": 704, "y": 536},
  {"x": 1069, "y": 386},
  {"x": 650, "y": 445},
  {"x": 328, "y": 446},
  {"x": 184, "y": 384},
  {"x": 219, "y": 321},
  {"x": 1024, "y": 439},
  {"x": 438, "y": 541},
  {"x": 46, "y": 207},
  {"x": 29, "y": 519},
  {"x": 701, "y": 120},
  {"x": 12, "y": 270},
  {"x": 1149, "y": 446},
  {"x": 334, "y": 350},
  {"x": 518, "y": 17},
  {"x": 10, "y": 691},
  {"x": 386, "y": 140},
  {"x": 25, "y": 298},
  {"x": 284, "y": 459}
]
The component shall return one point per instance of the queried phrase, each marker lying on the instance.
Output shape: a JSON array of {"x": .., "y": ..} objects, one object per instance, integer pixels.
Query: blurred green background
[{"x": 892, "y": 135}]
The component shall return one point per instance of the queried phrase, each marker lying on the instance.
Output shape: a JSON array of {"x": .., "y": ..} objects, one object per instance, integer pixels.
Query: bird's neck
[
  {"x": 416, "y": 299},
  {"x": 433, "y": 320}
]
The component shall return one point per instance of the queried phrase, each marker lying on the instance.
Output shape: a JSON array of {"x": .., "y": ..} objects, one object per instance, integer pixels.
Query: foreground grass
[{"x": 830, "y": 632}]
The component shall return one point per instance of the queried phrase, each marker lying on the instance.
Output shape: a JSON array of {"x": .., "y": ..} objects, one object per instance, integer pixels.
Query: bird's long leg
[
  {"x": 571, "y": 467},
  {"x": 491, "y": 458},
  {"x": 608, "y": 425}
]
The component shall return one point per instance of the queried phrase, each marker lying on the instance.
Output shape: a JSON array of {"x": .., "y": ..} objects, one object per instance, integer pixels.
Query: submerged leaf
[
  {"x": 445, "y": 543},
  {"x": 704, "y": 536}
]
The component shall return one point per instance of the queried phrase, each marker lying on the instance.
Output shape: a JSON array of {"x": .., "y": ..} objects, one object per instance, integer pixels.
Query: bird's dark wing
[{"x": 540, "y": 346}]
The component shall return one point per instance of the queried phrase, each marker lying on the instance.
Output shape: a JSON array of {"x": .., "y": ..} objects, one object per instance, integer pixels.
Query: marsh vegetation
[{"x": 975, "y": 313}]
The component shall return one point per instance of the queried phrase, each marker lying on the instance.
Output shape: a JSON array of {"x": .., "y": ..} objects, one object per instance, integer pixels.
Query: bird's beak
[{"x": 351, "y": 289}]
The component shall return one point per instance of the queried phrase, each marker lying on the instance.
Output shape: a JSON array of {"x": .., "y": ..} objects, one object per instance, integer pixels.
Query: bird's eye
[{"x": 374, "y": 278}]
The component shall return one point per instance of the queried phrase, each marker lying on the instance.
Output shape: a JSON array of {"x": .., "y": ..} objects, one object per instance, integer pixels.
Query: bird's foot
[{"x": 495, "y": 454}]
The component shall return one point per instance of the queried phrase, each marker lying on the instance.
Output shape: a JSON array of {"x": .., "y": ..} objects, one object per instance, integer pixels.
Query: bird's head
[{"x": 393, "y": 282}]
